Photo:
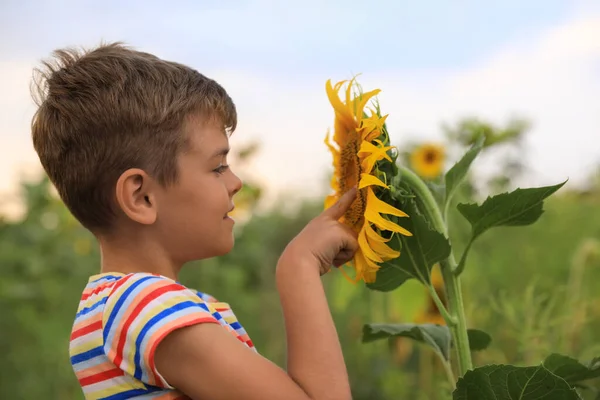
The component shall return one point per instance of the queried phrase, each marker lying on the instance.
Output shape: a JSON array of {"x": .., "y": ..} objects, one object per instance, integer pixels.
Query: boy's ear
[{"x": 135, "y": 196}]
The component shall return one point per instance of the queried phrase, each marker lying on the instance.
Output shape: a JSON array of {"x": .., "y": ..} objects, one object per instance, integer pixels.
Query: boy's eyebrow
[{"x": 221, "y": 152}]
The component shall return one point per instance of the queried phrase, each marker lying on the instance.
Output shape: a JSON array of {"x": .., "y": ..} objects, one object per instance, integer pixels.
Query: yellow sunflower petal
[
  {"x": 342, "y": 111},
  {"x": 374, "y": 154},
  {"x": 330, "y": 200},
  {"x": 349, "y": 94},
  {"x": 366, "y": 267},
  {"x": 360, "y": 264},
  {"x": 381, "y": 206},
  {"x": 370, "y": 276},
  {"x": 383, "y": 250},
  {"x": 372, "y": 135},
  {"x": 371, "y": 127},
  {"x": 366, "y": 247},
  {"x": 332, "y": 149},
  {"x": 382, "y": 223},
  {"x": 374, "y": 236},
  {"x": 334, "y": 152},
  {"x": 361, "y": 101},
  {"x": 345, "y": 274},
  {"x": 370, "y": 180},
  {"x": 335, "y": 184},
  {"x": 370, "y": 148}
]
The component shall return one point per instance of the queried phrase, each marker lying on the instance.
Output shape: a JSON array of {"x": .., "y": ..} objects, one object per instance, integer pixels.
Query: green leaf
[
  {"x": 418, "y": 253},
  {"x": 436, "y": 336},
  {"x": 572, "y": 370},
  {"x": 457, "y": 173},
  {"x": 519, "y": 208},
  {"x": 478, "y": 340},
  {"x": 508, "y": 382}
]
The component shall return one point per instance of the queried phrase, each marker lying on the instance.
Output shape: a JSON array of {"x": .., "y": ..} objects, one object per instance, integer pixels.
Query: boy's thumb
[{"x": 341, "y": 206}]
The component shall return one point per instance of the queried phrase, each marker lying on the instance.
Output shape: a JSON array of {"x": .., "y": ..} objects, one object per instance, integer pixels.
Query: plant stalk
[
  {"x": 449, "y": 374},
  {"x": 450, "y": 320},
  {"x": 451, "y": 281}
]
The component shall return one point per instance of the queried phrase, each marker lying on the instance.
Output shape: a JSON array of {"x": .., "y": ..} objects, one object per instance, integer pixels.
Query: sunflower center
[
  {"x": 350, "y": 171},
  {"x": 430, "y": 157}
]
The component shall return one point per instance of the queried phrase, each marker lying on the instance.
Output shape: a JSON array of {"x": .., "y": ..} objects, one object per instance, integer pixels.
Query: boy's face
[{"x": 192, "y": 214}]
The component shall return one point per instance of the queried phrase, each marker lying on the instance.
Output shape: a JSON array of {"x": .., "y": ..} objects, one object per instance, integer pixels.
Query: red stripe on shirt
[
  {"x": 96, "y": 290},
  {"x": 101, "y": 376},
  {"x": 136, "y": 311},
  {"x": 86, "y": 329},
  {"x": 81, "y": 321}
]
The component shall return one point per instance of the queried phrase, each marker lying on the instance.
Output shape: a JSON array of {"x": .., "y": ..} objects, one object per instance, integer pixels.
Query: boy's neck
[{"x": 136, "y": 255}]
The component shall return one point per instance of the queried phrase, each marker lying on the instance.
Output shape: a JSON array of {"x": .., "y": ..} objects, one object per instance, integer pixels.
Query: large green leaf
[
  {"x": 436, "y": 336},
  {"x": 508, "y": 382},
  {"x": 457, "y": 173},
  {"x": 418, "y": 253},
  {"x": 572, "y": 370},
  {"x": 518, "y": 208}
]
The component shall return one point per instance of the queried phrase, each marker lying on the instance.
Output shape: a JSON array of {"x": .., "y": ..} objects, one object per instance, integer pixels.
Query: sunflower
[
  {"x": 428, "y": 160},
  {"x": 359, "y": 148}
]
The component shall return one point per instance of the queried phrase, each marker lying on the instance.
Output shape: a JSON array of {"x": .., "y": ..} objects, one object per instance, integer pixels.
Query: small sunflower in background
[
  {"x": 430, "y": 314},
  {"x": 428, "y": 160}
]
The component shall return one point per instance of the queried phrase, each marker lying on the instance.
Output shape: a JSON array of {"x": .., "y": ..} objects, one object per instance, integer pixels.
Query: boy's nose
[{"x": 237, "y": 185}]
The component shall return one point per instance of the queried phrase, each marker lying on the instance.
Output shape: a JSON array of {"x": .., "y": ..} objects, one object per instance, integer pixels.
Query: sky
[{"x": 435, "y": 62}]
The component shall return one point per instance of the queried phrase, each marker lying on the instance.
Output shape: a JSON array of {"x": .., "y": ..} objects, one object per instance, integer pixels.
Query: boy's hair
[{"x": 112, "y": 108}]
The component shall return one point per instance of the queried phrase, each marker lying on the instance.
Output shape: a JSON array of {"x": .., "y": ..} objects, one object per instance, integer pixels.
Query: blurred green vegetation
[{"x": 534, "y": 289}]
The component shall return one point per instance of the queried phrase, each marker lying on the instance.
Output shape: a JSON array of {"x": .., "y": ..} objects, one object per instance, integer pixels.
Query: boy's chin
[
  {"x": 216, "y": 249},
  {"x": 224, "y": 248}
]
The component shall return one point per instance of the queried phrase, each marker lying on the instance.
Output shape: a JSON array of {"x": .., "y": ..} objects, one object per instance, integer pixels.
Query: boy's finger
[{"x": 341, "y": 206}]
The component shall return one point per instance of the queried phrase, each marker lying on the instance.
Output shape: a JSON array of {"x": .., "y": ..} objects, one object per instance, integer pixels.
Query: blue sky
[
  {"x": 436, "y": 61},
  {"x": 279, "y": 36}
]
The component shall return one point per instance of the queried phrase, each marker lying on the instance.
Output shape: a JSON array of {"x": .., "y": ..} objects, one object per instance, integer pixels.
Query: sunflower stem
[
  {"x": 449, "y": 374},
  {"x": 450, "y": 320},
  {"x": 451, "y": 281}
]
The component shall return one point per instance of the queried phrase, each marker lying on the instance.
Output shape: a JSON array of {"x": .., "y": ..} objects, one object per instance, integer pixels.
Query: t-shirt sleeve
[{"x": 140, "y": 312}]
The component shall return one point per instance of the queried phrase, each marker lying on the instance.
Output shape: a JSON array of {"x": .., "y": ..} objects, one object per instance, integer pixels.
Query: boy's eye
[{"x": 221, "y": 168}]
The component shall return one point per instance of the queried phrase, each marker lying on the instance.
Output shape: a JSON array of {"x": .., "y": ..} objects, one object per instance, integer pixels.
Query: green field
[{"x": 535, "y": 290}]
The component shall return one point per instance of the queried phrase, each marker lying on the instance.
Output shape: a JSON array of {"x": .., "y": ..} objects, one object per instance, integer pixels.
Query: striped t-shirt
[{"x": 120, "y": 321}]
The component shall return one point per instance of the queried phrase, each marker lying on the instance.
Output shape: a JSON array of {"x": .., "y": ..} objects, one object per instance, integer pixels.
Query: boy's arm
[
  {"x": 206, "y": 362},
  {"x": 315, "y": 360}
]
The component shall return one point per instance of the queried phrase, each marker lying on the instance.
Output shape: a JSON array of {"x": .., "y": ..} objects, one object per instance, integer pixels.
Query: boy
[{"x": 137, "y": 149}]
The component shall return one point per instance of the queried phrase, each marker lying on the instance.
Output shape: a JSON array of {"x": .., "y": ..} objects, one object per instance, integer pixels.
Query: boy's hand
[{"x": 325, "y": 241}]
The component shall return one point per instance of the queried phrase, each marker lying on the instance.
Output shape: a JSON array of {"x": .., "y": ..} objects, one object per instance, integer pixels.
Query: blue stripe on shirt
[
  {"x": 91, "y": 308},
  {"x": 153, "y": 321},
  {"x": 88, "y": 355},
  {"x": 131, "y": 393},
  {"x": 119, "y": 304}
]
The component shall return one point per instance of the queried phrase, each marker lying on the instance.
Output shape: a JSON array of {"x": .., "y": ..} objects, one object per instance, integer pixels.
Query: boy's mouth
[{"x": 228, "y": 212}]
